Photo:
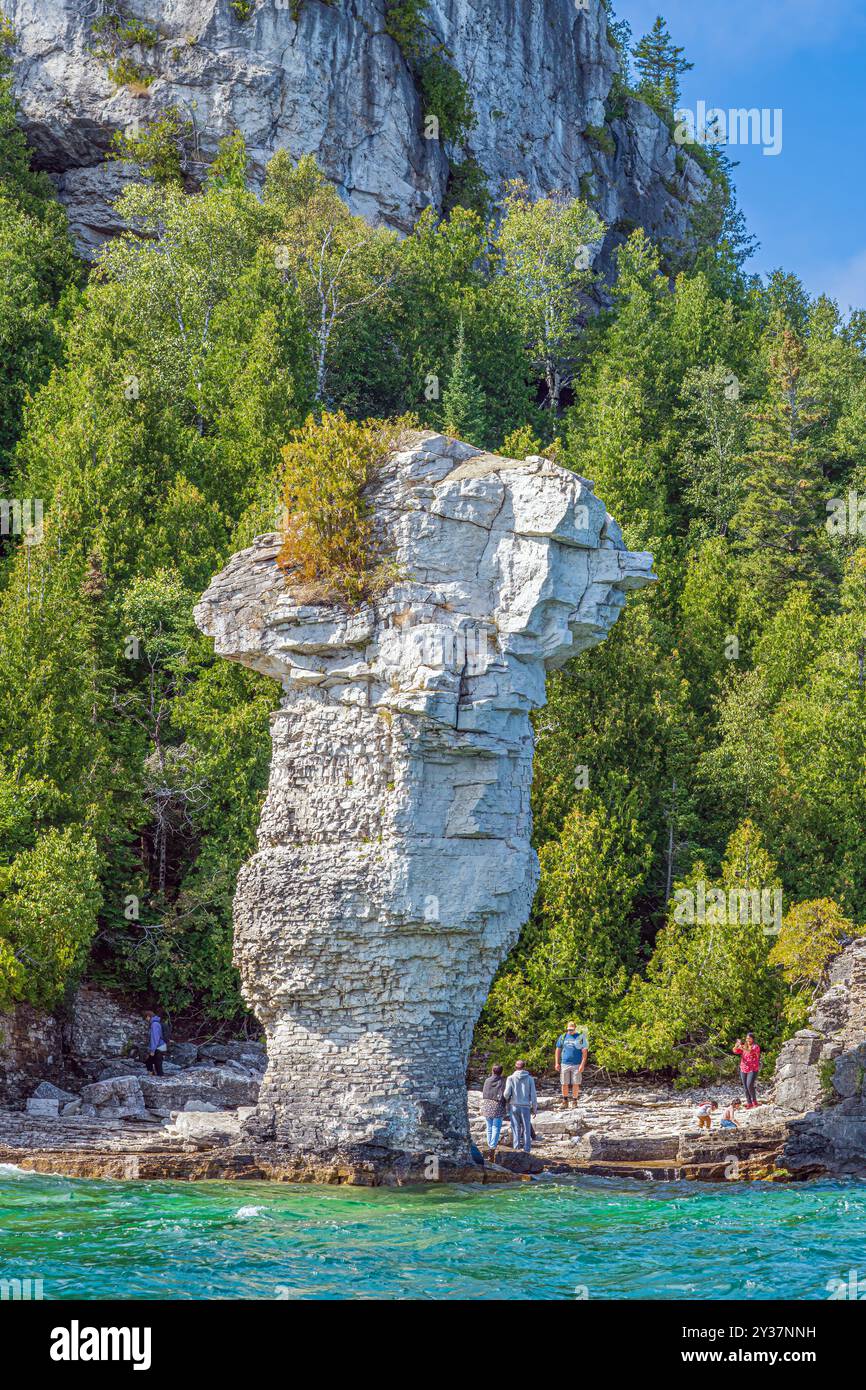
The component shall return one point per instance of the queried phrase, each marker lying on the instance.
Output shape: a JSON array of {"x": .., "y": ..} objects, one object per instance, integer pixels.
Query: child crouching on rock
[
  {"x": 704, "y": 1113},
  {"x": 729, "y": 1120}
]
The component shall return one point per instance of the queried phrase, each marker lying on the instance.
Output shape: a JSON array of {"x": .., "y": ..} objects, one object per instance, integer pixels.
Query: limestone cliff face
[
  {"x": 394, "y": 868},
  {"x": 335, "y": 84},
  {"x": 820, "y": 1072}
]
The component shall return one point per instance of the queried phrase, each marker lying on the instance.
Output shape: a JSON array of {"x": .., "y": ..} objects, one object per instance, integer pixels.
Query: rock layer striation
[
  {"x": 820, "y": 1075},
  {"x": 328, "y": 79},
  {"x": 394, "y": 868}
]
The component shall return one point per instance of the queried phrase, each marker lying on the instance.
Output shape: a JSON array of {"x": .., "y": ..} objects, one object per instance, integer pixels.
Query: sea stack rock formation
[
  {"x": 394, "y": 868},
  {"x": 820, "y": 1075}
]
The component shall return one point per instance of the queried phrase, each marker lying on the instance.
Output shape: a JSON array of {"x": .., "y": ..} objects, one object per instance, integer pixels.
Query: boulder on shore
[
  {"x": 218, "y": 1086},
  {"x": 46, "y": 1090},
  {"x": 627, "y": 1149},
  {"x": 119, "y": 1098},
  {"x": 46, "y": 1106}
]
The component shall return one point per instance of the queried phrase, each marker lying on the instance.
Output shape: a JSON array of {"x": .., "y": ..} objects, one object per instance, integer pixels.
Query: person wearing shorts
[{"x": 571, "y": 1055}]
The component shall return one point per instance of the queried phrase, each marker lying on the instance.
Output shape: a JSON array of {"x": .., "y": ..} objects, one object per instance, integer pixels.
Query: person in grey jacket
[{"x": 522, "y": 1098}]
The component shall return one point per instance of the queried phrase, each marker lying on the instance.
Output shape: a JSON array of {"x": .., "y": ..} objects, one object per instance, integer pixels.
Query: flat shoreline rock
[{"x": 656, "y": 1143}]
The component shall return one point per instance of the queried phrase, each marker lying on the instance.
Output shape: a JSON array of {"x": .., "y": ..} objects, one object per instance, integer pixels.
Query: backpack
[{"x": 577, "y": 1040}]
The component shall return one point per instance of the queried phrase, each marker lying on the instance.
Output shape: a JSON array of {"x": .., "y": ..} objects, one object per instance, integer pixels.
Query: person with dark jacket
[
  {"x": 156, "y": 1044},
  {"x": 493, "y": 1106}
]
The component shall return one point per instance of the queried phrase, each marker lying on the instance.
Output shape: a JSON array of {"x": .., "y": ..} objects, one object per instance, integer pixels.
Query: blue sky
[{"x": 806, "y": 205}]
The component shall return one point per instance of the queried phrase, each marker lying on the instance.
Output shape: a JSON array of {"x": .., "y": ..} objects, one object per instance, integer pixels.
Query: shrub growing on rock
[{"x": 329, "y": 541}]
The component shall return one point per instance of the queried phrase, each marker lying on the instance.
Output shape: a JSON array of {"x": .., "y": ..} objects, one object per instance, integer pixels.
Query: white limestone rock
[
  {"x": 819, "y": 1078},
  {"x": 199, "y": 1086},
  {"x": 119, "y": 1097},
  {"x": 395, "y": 869},
  {"x": 333, "y": 83},
  {"x": 205, "y": 1129},
  {"x": 46, "y": 1106}
]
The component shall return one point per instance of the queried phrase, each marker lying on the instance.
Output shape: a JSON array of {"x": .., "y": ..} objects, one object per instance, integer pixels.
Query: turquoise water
[{"x": 551, "y": 1239}]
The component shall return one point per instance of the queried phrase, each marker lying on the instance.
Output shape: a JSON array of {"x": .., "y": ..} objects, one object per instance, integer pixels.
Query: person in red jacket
[{"x": 750, "y": 1065}]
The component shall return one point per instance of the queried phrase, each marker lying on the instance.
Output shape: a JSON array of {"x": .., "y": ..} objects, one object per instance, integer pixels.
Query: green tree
[
  {"x": 709, "y": 978},
  {"x": 625, "y": 430},
  {"x": 229, "y": 168},
  {"x": 160, "y": 148},
  {"x": 812, "y": 933},
  {"x": 462, "y": 401},
  {"x": 780, "y": 518},
  {"x": 545, "y": 259},
  {"x": 48, "y": 915},
  {"x": 573, "y": 958},
  {"x": 339, "y": 265},
  {"x": 712, "y": 458},
  {"x": 659, "y": 63},
  {"x": 791, "y": 742}
]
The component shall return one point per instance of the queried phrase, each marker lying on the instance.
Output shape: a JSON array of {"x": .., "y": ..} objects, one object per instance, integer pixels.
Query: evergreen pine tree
[
  {"x": 462, "y": 399},
  {"x": 780, "y": 520},
  {"x": 660, "y": 62}
]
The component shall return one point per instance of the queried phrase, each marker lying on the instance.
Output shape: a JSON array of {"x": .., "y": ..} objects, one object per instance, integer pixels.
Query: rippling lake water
[{"x": 554, "y": 1239}]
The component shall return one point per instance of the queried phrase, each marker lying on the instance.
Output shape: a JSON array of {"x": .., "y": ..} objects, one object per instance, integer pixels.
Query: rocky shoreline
[
  {"x": 102, "y": 1115},
  {"x": 649, "y": 1133},
  {"x": 106, "y": 1117},
  {"x": 634, "y": 1132}
]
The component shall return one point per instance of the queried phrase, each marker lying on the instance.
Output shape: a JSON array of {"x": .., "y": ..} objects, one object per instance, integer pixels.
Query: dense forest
[{"x": 714, "y": 743}]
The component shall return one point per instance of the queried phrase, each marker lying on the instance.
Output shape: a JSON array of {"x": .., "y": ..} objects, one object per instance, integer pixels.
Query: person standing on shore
[
  {"x": 522, "y": 1097},
  {"x": 493, "y": 1107},
  {"x": 156, "y": 1044},
  {"x": 571, "y": 1054},
  {"x": 750, "y": 1065}
]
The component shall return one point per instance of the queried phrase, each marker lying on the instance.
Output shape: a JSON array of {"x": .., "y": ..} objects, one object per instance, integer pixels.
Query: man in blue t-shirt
[{"x": 572, "y": 1050}]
